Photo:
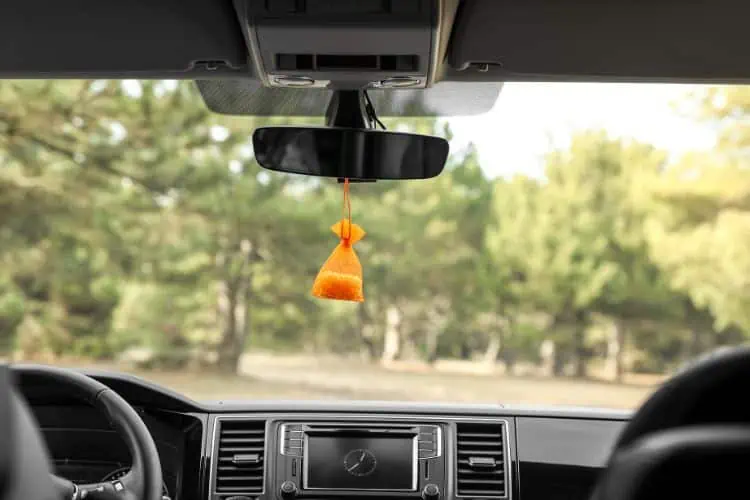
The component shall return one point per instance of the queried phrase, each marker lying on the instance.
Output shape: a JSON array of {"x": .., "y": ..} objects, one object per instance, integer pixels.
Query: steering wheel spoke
[
  {"x": 124, "y": 488},
  {"x": 128, "y": 485},
  {"x": 65, "y": 488}
]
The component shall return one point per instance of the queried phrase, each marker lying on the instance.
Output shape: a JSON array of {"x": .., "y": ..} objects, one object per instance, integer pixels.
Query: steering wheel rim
[
  {"x": 672, "y": 425},
  {"x": 144, "y": 481},
  {"x": 671, "y": 405}
]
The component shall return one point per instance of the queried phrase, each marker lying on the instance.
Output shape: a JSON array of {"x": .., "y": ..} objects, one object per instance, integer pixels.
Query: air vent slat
[
  {"x": 485, "y": 453},
  {"x": 244, "y": 478},
  {"x": 491, "y": 443},
  {"x": 467, "y": 492},
  {"x": 480, "y": 451},
  {"x": 230, "y": 458},
  {"x": 489, "y": 435},
  {"x": 465, "y": 460},
  {"x": 233, "y": 489},
  {"x": 256, "y": 440},
  {"x": 237, "y": 438},
  {"x": 472, "y": 472},
  {"x": 236, "y": 449},
  {"x": 482, "y": 481}
]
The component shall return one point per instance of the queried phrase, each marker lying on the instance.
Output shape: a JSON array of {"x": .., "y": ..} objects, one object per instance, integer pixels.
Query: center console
[
  {"x": 328, "y": 459},
  {"x": 377, "y": 456}
]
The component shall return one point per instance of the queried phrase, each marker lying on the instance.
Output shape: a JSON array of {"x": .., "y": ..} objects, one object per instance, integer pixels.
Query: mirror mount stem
[{"x": 347, "y": 109}]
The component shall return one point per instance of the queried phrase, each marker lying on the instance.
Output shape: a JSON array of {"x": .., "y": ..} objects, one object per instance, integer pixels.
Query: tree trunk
[
  {"x": 464, "y": 349},
  {"x": 547, "y": 355},
  {"x": 233, "y": 308},
  {"x": 558, "y": 361},
  {"x": 245, "y": 311},
  {"x": 620, "y": 359},
  {"x": 508, "y": 355},
  {"x": 228, "y": 355},
  {"x": 494, "y": 345},
  {"x": 409, "y": 346},
  {"x": 579, "y": 345},
  {"x": 701, "y": 328},
  {"x": 366, "y": 331},
  {"x": 431, "y": 344},
  {"x": 437, "y": 316},
  {"x": 392, "y": 337},
  {"x": 580, "y": 352},
  {"x": 696, "y": 341},
  {"x": 509, "y": 358},
  {"x": 616, "y": 350}
]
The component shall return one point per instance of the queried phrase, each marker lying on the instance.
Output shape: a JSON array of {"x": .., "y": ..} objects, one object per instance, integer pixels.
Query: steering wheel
[
  {"x": 144, "y": 481},
  {"x": 689, "y": 439}
]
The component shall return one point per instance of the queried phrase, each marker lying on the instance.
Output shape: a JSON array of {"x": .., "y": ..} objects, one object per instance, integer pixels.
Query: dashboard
[{"x": 277, "y": 450}]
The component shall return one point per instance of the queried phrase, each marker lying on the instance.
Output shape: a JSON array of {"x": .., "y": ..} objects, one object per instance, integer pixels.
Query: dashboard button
[
  {"x": 431, "y": 492},
  {"x": 288, "y": 490}
]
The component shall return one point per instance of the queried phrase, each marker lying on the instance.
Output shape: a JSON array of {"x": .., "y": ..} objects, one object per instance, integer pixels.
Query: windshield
[{"x": 584, "y": 242}]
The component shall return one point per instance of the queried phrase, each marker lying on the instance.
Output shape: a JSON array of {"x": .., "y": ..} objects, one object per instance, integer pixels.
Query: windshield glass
[{"x": 584, "y": 242}]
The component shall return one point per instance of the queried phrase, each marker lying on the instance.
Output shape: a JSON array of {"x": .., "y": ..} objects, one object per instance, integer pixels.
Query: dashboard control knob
[
  {"x": 288, "y": 490},
  {"x": 431, "y": 492}
]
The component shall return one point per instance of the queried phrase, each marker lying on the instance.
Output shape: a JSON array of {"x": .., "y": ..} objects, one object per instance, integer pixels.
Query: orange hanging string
[
  {"x": 347, "y": 209},
  {"x": 340, "y": 278}
]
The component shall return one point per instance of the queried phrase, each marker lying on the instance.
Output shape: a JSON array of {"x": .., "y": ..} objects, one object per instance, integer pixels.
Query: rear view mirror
[{"x": 350, "y": 153}]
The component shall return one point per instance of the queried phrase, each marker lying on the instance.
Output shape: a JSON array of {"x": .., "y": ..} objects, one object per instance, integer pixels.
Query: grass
[{"x": 306, "y": 377}]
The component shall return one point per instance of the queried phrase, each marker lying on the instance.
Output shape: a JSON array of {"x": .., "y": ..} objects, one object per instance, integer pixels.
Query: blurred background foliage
[{"x": 131, "y": 217}]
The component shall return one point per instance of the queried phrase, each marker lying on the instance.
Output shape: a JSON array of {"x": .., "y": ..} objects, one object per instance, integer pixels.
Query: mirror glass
[{"x": 350, "y": 153}]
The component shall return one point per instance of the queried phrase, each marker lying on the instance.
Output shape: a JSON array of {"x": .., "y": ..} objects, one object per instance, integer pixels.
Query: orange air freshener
[{"x": 340, "y": 278}]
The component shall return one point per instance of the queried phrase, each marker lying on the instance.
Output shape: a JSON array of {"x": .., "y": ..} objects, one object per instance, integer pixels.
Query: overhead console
[{"x": 341, "y": 44}]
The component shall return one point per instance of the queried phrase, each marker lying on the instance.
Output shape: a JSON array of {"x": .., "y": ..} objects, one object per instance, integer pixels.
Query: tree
[
  {"x": 503, "y": 267},
  {"x": 422, "y": 238},
  {"x": 147, "y": 184},
  {"x": 702, "y": 237},
  {"x": 584, "y": 248},
  {"x": 55, "y": 245}
]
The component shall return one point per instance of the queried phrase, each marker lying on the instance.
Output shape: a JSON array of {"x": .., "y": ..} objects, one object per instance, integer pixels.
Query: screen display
[{"x": 360, "y": 461}]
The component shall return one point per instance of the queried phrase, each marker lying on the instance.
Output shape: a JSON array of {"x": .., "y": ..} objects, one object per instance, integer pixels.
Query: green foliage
[
  {"x": 702, "y": 236},
  {"x": 131, "y": 217},
  {"x": 12, "y": 311}
]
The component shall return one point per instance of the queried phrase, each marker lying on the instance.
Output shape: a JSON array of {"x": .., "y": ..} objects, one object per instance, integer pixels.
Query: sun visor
[
  {"x": 617, "y": 40},
  {"x": 121, "y": 39},
  {"x": 246, "y": 97}
]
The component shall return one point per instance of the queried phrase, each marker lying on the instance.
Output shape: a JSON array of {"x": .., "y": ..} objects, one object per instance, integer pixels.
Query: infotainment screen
[{"x": 360, "y": 461}]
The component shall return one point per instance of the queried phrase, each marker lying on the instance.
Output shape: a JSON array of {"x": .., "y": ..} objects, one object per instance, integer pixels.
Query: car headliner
[{"x": 556, "y": 40}]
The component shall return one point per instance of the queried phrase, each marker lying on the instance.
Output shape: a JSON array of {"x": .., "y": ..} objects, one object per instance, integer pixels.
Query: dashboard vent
[
  {"x": 240, "y": 455},
  {"x": 481, "y": 469}
]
